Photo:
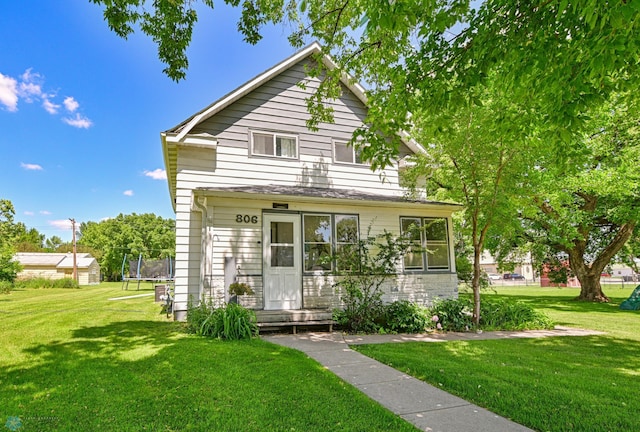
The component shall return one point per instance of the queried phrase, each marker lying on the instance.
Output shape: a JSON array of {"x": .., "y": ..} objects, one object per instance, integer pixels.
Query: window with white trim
[
  {"x": 274, "y": 144},
  {"x": 328, "y": 236},
  {"x": 345, "y": 153},
  {"x": 431, "y": 243}
]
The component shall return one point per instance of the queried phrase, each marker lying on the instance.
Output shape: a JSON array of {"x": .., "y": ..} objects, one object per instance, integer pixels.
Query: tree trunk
[
  {"x": 589, "y": 277},
  {"x": 591, "y": 290},
  {"x": 475, "y": 284}
]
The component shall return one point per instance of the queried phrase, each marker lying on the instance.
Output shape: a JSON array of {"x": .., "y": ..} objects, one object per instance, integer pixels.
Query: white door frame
[{"x": 282, "y": 276}]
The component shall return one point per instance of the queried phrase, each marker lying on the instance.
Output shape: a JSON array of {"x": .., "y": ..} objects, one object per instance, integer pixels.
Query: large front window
[
  {"x": 274, "y": 144},
  {"x": 328, "y": 241},
  {"x": 429, "y": 237}
]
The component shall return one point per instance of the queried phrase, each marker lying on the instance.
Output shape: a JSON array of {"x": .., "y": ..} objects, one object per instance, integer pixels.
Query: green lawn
[
  {"x": 72, "y": 360},
  {"x": 552, "y": 384}
]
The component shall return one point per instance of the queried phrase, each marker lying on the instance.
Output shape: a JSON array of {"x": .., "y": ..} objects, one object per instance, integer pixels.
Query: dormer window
[
  {"x": 344, "y": 153},
  {"x": 274, "y": 144}
]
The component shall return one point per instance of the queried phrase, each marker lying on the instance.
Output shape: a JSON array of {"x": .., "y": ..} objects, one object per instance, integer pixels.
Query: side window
[
  {"x": 435, "y": 234},
  {"x": 274, "y": 144},
  {"x": 344, "y": 153},
  {"x": 431, "y": 243}
]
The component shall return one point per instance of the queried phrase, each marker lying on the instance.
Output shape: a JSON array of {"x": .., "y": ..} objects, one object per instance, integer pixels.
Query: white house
[
  {"x": 261, "y": 199},
  {"x": 58, "y": 265}
]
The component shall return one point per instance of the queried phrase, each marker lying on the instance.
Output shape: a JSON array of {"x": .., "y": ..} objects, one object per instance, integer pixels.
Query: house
[
  {"x": 261, "y": 199},
  {"x": 521, "y": 264},
  {"x": 58, "y": 266}
]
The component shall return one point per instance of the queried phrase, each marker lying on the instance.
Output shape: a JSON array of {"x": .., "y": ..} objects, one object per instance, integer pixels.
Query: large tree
[
  {"x": 584, "y": 202},
  {"x": 146, "y": 234}
]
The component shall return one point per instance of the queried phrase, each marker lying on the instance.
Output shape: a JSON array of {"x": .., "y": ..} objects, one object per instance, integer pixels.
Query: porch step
[
  {"x": 277, "y": 320},
  {"x": 274, "y": 326},
  {"x": 301, "y": 315}
]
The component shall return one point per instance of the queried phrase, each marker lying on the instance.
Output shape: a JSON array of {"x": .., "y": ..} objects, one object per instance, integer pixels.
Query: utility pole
[{"x": 75, "y": 265}]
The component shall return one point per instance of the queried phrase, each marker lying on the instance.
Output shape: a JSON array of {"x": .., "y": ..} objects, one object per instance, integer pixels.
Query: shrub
[
  {"x": 229, "y": 322},
  {"x": 495, "y": 314},
  {"x": 9, "y": 268},
  {"x": 42, "y": 282},
  {"x": 363, "y": 269},
  {"x": 5, "y": 287},
  {"x": 502, "y": 314},
  {"x": 404, "y": 316},
  {"x": 452, "y": 315}
]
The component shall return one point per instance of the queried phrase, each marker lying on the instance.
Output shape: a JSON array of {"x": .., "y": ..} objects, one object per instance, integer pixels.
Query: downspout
[{"x": 202, "y": 206}]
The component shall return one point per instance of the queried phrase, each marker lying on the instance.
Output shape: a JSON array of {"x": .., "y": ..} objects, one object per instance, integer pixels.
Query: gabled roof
[
  {"x": 314, "y": 48},
  {"x": 180, "y": 134}
]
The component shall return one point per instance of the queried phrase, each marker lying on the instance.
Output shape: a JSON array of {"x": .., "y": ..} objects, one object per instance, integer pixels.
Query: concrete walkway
[{"x": 425, "y": 406}]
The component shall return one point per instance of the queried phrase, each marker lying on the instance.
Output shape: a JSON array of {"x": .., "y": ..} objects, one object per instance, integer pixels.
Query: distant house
[
  {"x": 522, "y": 265},
  {"x": 261, "y": 199},
  {"x": 58, "y": 266}
]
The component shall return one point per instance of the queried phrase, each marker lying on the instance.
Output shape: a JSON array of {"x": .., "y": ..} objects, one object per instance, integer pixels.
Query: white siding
[
  {"x": 279, "y": 106},
  {"x": 228, "y": 238}
]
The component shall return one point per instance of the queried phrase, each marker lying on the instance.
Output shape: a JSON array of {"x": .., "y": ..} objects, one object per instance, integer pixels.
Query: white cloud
[
  {"x": 128, "y": 192},
  {"x": 29, "y": 87},
  {"x": 70, "y": 104},
  {"x": 29, "y": 213},
  {"x": 8, "y": 92},
  {"x": 45, "y": 212},
  {"x": 49, "y": 106},
  {"x": 63, "y": 224},
  {"x": 31, "y": 167},
  {"x": 78, "y": 121},
  {"x": 156, "y": 174}
]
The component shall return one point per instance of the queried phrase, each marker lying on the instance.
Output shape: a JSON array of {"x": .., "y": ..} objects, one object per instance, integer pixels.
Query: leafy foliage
[
  {"x": 146, "y": 234},
  {"x": 42, "y": 282},
  {"x": 5, "y": 287},
  {"x": 403, "y": 316},
  {"x": 229, "y": 322},
  {"x": 583, "y": 203},
  {"x": 367, "y": 265},
  {"x": 495, "y": 314}
]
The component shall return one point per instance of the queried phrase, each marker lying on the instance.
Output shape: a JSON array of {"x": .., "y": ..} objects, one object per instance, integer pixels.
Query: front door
[{"x": 282, "y": 269}]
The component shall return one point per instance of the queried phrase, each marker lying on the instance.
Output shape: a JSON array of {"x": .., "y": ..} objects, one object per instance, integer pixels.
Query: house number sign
[{"x": 246, "y": 219}]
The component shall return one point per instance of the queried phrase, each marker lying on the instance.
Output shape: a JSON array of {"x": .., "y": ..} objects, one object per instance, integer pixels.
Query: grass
[
  {"x": 73, "y": 360},
  {"x": 553, "y": 384}
]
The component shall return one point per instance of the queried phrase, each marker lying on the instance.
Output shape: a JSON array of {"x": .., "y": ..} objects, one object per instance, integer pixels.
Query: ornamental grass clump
[{"x": 228, "y": 322}]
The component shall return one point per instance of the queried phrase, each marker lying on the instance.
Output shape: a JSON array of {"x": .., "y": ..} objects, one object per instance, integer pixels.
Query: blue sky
[{"x": 81, "y": 110}]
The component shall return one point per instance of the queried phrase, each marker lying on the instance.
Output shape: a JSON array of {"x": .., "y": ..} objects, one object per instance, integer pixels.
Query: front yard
[
  {"x": 72, "y": 360},
  {"x": 551, "y": 384}
]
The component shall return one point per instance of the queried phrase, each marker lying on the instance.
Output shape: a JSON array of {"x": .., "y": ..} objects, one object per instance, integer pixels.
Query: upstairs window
[
  {"x": 344, "y": 153},
  {"x": 274, "y": 144}
]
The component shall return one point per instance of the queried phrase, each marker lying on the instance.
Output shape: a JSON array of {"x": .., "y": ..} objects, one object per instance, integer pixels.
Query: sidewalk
[{"x": 423, "y": 405}]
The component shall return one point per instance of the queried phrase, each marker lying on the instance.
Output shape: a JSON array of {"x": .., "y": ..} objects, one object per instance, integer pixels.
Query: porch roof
[{"x": 316, "y": 194}]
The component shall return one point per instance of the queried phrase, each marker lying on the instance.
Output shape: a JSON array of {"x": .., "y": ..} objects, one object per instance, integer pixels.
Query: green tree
[
  {"x": 8, "y": 232},
  {"x": 476, "y": 156},
  {"x": 584, "y": 202},
  {"x": 28, "y": 239},
  {"x": 52, "y": 243},
  {"x": 146, "y": 234}
]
